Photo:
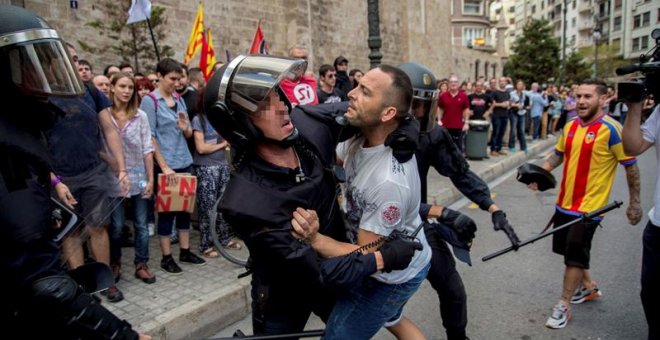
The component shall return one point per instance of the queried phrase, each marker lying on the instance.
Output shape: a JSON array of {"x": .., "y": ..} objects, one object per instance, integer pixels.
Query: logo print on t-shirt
[
  {"x": 304, "y": 93},
  {"x": 391, "y": 215},
  {"x": 590, "y": 137}
]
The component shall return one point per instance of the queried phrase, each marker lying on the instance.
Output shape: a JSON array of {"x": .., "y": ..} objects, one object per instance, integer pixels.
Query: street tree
[
  {"x": 576, "y": 69},
  {"x": 132, "y": 43},
  {"x": 535, "y": 55},
  {"x": 609, "y": 59}
]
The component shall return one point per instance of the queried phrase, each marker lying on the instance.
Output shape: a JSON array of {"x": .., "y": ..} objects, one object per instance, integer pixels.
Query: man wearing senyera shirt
[{"x": 454, "y": 111}]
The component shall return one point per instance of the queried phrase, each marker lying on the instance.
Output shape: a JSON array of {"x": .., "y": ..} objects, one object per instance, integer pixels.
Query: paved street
[{"x": 511, "y": 296}]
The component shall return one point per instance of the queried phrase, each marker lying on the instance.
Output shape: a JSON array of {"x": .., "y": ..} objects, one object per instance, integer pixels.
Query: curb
[
  {"x": 449, "y": 194},
  {"x": 202, "y": 317}
]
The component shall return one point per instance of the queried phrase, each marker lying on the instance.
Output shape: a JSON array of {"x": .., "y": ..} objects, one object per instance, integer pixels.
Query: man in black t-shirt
[
  {"x": 327, "y": 92},
  {"x": 479, "y": 102},
  {"x": 501, "y": 104}
]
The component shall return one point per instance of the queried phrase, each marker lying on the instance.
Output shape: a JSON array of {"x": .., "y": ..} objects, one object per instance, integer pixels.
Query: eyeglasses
[{"x": 331, "y": 75}]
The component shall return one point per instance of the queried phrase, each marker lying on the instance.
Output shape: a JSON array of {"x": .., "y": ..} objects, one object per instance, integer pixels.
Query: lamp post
[
  {"x": 596, "y": 36},
  {"x": 374, "y": 33},
  {"x": 562, "y": 72}
]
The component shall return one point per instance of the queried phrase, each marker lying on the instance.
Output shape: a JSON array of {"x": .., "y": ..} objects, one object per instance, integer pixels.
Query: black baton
[
  {"x": 584, "y": 217},
  {"x": 304, "y": 334}
]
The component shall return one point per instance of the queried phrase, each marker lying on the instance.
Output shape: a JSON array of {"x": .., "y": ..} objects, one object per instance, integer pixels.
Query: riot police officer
[
  {"x": 34, "y": 69},
  {"x": 436, "y": 149},
  {"x": 284, "y": 160}
]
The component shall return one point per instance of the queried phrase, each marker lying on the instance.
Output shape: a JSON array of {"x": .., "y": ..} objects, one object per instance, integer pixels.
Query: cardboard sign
[{"x": 176, "y": 197}]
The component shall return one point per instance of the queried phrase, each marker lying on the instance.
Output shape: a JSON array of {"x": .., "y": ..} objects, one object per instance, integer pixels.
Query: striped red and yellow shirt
[{"x": 591, "y": 153}]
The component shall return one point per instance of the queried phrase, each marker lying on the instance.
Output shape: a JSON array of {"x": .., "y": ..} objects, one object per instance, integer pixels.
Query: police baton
[
  {"x": 584, "y": 217},
  {"x": 304, "y": 334}
]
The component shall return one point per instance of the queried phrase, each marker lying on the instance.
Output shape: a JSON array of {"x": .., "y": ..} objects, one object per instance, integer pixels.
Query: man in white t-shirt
[
  {"x": 636, "y": 140},
  {"x": 380, "y": 196}
]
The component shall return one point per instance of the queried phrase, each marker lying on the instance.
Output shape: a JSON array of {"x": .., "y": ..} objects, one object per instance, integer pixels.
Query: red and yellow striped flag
[
  {"x": 207, "y": 59},
  {"x": 196, "y": 36}
]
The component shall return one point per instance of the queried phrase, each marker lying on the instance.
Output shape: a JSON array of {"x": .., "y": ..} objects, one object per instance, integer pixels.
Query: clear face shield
[
  {"x": 424, "y": 107},
  {"x": 249, "y": 80},
  {"x": 40, "y": 65}
]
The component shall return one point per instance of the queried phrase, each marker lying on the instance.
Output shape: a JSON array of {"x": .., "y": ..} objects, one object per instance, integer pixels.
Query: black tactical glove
[
  {"x": 397, "y": 253},
  {"x": 464, "y": 226},
  {"x": 501, "y": 223}
]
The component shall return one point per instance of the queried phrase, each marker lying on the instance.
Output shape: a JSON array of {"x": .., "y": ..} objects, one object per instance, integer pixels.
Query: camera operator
[
  {"x": 637, "y": 138},
  {"x": 34, "y": 70}
]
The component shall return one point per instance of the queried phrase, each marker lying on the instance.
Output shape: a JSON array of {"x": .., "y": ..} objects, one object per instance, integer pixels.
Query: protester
[
  {"x": 591, "y": 146},
  {"x": 454, "y": 112},
  {"x": 132, "y": 125},
  {"x": 84, "y": 172},
  {"x": 377, "y": 203},
  {"x": 170, "y": 127},
  {"x": 212, "y": 171}
]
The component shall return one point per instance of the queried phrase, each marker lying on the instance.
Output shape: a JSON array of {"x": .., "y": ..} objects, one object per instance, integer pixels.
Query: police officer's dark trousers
[{"x": 448, "y": 284}]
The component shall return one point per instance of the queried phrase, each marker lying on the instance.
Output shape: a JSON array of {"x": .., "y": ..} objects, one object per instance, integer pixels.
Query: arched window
[
  {"x": 476, "y": 69},
  {"x": 494, "y": 66},
  {"x": 486, "y": 64}
]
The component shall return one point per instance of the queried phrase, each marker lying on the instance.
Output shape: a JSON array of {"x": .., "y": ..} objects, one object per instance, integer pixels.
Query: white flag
[{"x": 140, "y": 11}]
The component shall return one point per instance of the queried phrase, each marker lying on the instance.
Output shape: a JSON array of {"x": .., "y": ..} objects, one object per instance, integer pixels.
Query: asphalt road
[{"x": 510, "y": 297}]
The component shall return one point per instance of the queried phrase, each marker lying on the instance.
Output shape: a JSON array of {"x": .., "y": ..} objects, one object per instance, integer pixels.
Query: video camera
[{"x": 649, "y": 66}]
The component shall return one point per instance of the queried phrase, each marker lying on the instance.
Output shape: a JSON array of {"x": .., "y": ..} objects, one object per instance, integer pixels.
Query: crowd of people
[{"x": 352, "y": 256}]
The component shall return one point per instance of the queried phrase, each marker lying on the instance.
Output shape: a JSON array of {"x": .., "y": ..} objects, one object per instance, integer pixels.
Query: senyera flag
[
  {"x": 196, "y": 36},
  {"x": 258, "y": 43},
  {"x": 207, "y": 59}
]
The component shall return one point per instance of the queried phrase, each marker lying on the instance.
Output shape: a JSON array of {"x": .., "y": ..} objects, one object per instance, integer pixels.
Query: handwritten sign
[{"x": 179, "y": 196}]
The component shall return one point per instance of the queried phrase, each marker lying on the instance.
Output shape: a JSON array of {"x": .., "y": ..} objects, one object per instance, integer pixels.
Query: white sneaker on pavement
[{"x": 560, "y": 316}]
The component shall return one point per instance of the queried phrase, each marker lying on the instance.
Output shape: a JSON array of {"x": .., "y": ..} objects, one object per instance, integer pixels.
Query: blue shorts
[{"x": 367, "y": 308}]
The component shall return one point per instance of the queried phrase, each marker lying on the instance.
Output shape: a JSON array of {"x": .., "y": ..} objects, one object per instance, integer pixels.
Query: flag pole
[{"x": 153, "y": 39}]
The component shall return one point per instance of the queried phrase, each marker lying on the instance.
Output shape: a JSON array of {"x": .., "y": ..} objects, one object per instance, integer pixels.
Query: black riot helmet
[
  {"x": 33, "y": 59},
  {"x": 236, "y": 90},
  {"x": 425, "y": 94}
]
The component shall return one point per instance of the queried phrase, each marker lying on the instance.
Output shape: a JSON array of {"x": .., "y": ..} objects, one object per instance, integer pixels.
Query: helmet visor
[
  {"x": 256, "y": 76},
  {"x": 43, "y": 67},
  {"x": 424, "y": 108}
]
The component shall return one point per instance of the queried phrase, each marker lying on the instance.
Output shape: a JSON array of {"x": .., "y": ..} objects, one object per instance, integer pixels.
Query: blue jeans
[
  {"x": 517, "y": 128},
  {"x": 166, "y": 219},
  {"x": 365, "y": 309},
  {"x": 536, "y": 127},
  {"x": 499, "y": 126},
  {"x": 140, "y": 207}
]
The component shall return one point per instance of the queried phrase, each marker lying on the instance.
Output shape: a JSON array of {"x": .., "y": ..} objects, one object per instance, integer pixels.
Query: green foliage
[
  {"x": 535, "y": 55},
  {"x": 608, "y": 59},
  {"x": 576, "y": 69},
  {"x": 130, "y": 43}
]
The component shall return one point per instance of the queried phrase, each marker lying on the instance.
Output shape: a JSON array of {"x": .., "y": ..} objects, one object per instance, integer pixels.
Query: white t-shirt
[
  {"x": 381, "y": 195},
  {"x": 651, "y": 132}
]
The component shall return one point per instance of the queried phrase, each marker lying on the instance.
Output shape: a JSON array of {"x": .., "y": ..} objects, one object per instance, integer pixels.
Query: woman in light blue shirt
[{"x": 170, "y": 127}]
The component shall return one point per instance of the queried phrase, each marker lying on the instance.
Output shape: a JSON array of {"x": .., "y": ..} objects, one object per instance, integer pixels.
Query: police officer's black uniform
[
  {"x": 436, "y": 149},
  {"x": 40, "y": 299}
]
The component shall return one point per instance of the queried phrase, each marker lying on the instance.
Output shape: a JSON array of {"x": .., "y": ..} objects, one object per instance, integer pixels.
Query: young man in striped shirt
[{"x": 591, "y": 147}]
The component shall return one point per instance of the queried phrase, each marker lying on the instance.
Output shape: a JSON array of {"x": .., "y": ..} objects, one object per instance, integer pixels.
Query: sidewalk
[{"x": 208, "y": 298}]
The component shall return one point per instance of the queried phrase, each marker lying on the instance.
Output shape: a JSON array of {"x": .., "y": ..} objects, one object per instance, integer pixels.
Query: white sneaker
[
  {"x": 586, "y": 294},
  {"x": 560, "y": 316}
]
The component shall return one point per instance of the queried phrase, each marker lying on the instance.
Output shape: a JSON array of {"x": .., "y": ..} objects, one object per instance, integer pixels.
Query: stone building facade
[{"x": 411, "y": 30}]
